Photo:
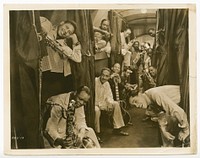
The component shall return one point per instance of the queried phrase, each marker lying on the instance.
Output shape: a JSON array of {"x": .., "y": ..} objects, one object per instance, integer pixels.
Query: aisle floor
[{"x": 141, "y": 134}]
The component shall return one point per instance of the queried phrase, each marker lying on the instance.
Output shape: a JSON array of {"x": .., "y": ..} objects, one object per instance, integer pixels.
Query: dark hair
[
  {"x": 135, "y": 92},
  {"x": 115, "y": 64},
  {"x": 105, "y": 68},
  {"x": 72, "y": 23},
  {"x": 136, "y": 42},
  {"x": 148, "y": 44},
  {"x": 83, "y": 88},
  {"x": 104, "y": 20},
  {"x": 127, "y": 28}
]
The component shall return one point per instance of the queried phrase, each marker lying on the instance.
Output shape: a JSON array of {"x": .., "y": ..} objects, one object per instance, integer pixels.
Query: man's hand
[
  {"x": 183, "y": 134},
  {"x": 74, "y": 38},
  {"x": 110, "y": 106},
  {"x": 168, "y": 135},
  {"x": 67, "y": 51},
  {"x": 130, "y": 43},
  {"x": 63, "y": 142},
  {"x": 80, "y": 136}
]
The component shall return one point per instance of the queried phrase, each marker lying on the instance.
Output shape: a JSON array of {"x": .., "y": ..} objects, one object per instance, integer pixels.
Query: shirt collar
[
  {"x": 103, "y": 84},
  {"x": 148, "y": 100}
]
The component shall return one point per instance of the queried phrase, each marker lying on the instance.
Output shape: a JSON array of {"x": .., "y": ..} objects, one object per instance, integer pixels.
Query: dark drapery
[
  {"x": 116, "y": 26},
  {"x": 25, "y": 52},
  {"x": 24, "y": 59},
  {"x": 82, "y": 73},
  {"x": 55, "y": 83},
  {"x": 172, "y": 51}
]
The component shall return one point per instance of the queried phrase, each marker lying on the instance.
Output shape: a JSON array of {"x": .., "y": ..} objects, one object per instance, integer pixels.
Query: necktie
[
  {"x": 117, "y": 91},
  {"x": 70, "y": 137}
]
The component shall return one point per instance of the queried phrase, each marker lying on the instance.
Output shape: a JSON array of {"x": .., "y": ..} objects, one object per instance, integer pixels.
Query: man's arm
[
  {"x": 108, "y": 93},
  {"x": 46, "y": 25},
  {"x": 80, "y": 124},
  {"x": 172, "y": 109},
  {"x": 52, "y": 123},
  {"x": 80, "y": 121},
  {"x": 74, "y": 53},
  {"x": 106, "y": 49}
]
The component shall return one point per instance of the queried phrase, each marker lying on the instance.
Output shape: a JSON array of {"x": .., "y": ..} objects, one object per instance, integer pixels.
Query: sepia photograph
[{"x": 100, "y": 79}]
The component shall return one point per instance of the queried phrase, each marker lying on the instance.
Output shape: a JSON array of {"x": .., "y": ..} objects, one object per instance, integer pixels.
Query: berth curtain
[
  {"x": 172, "y": 51},
  {"x": 116, "y": 26},
  {"x": 25, "y": 52}
]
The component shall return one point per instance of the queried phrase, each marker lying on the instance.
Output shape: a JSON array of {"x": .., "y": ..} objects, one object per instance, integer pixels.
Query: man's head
[
  {"x": 139, "y": 101},
  {"x": 127, "y": 32},
  {"x": 127, "y": 72},
  {"x": 82, "y": 96},
  {"x": 147, "y": 45},
  {"x": 142, "y": 46},
  {"x": 66, "y": 29},
  {"x": 104, "y": 24},
  {"x": 150, "y": 52},
  {"x": 105, "y": 75},
  {"x": 116, "y": 68},
  {"x": 136, "y": 45},
  {"x": 98, "y": 36},
  {"x": 152, "y": 32},
  {"x": 152, "y": 71}
]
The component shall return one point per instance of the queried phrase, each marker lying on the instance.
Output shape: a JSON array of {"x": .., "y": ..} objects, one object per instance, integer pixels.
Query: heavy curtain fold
[
  {"x": 116, "y": 26},
  {"x": 172, "y": 51},
  {"x": 82, "y": 73},
  {"x": 24, "y": 62},
  {"x": 25, "y": 53}
]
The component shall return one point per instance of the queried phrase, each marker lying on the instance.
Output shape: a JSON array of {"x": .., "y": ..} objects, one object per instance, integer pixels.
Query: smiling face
[
  {"x": 82, "y": 98},
  {"x": 116, "y": 68},
  {"x": 127, "y": 33},
  {"x": 136, "y": 45},
  {"x": 65, "y": 30},
  {"x": 146, "y": 46},
  {"x": 97, "y": 36},
  {"x": 105, "y": 25},
  {"x": 105, "y": 76},
  {"x": 152, "y": 71}
]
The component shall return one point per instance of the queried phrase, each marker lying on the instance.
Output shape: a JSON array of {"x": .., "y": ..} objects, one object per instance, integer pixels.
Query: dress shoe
[
  {"x": 130, "y": 124},
  {"x": 99, "y": 140},
  {"x": 120, "y": 132},
  {"x": 146, "y": 119}
]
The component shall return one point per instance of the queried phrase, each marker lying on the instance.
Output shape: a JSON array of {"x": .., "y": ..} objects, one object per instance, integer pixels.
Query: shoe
[
  {"x": 99, "y": 140},
  {"x": 146, "y": 119},
  {"x": 130, "y": 124},
  {"x": 120, "y": 132}
]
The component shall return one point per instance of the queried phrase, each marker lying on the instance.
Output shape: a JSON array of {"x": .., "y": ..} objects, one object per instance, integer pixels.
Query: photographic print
[{"x": 100, "y": 79}]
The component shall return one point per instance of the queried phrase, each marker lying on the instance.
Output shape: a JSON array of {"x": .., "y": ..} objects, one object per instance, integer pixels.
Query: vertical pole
[{"x": 39, "y": 79}]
